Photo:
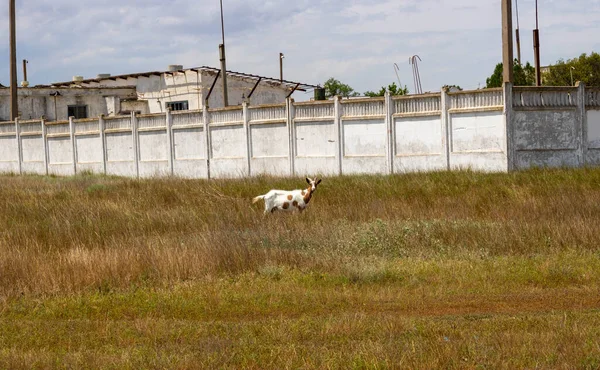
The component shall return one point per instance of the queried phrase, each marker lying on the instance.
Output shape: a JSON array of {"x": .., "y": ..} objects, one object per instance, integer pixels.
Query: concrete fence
[
  {"x": 554, "y": 127},
  {"x": 489, "y": 130}
]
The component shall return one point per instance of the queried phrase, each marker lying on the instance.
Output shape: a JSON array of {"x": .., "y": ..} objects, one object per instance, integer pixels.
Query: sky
[{"x": 355, "y": 41}]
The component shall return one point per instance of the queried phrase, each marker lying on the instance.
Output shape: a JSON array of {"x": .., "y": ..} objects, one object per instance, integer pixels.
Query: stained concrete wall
[
  {"x": 554, "y": 127},
  {"x": 485, "y": 130}
]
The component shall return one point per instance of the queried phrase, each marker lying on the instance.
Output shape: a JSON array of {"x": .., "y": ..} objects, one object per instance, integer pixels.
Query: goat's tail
[{"x": 256, "y": 199}]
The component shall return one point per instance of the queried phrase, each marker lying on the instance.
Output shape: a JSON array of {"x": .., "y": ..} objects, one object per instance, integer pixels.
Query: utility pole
[
  {"x": 222, "y": 59},
  {"x": 507, "y": 41},
  {"x": 280, "y": 67},
  {"x": 536, "y": 48},
  {"x": 14, "y": 106},
  {"x": 518, "y": 39}
]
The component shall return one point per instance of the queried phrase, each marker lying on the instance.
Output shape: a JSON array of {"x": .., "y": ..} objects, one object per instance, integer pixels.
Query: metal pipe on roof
[
  {"x": 281, "y": 67},
  {"x": 25, "y": 69},
  {"x": 293, "y": 90},
  {"x": 254, "y": 88},
  {"x": 211, "y": 89}
]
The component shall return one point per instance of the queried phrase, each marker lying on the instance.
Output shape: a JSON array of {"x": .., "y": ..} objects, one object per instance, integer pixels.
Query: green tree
[
  {"x": 585, "y": 68},
  {"x": 522, "y": 75},
  {"x": 334, "y": 87},
  {"x": 392, "y": 89}
]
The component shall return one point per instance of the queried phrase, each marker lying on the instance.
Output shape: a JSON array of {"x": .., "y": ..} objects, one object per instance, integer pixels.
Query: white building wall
[
  {"x": 160, "y": 88},
  {"x": 238, "y": 90},
  {"x": 35, "y": 103}
]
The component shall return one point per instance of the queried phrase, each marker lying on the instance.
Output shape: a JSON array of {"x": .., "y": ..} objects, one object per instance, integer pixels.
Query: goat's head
[{"x": 313, "y": 183}]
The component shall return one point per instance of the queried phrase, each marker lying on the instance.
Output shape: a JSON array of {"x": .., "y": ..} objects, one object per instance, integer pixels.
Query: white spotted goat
[{"x": 289, "y": 200}]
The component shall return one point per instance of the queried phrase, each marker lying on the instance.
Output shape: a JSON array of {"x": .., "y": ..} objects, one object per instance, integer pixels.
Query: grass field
[{"x": 453, "y": 270}]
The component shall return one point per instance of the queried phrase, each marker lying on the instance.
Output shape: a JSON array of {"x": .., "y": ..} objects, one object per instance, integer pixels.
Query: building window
[
  {"x": 77, "y": 111},
  {"x": 177, "y": 105}
]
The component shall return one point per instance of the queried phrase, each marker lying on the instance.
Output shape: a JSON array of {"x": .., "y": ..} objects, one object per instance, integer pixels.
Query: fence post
[
  {"x": 446, "y": 130},
  {"x": 170, "y": 151},
  {"x": 134, "y": 144},
  {"x": 73, "y": 144},
  {"x": 246, "y": 119},
  {"x": 582, "y": 122},
  {"x": 19, "y": 146},
  {"x": 337, "y": 122},
  {"x": 45, "y": 145},
  {"x": 391, "y": 135},
  {"x": 291, "y": 134},
  {"x": 102, "y": 142},
  {"x": 511, "y": 153},
  {"x": 205, "y": 121}
]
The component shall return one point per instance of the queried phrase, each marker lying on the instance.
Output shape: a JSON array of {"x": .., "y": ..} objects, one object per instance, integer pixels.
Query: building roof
[{"x": 290, "y": 84}]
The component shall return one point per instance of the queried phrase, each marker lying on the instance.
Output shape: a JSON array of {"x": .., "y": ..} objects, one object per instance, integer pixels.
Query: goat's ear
[{"x": 308, "y": 180}]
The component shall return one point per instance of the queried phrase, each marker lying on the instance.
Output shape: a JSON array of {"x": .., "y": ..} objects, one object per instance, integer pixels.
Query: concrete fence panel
[
  {"x": 269, "y": 140},
  {"x": 364, "y": 136},
  {"x": 547, "y": 127},
  {"x": 9, "y": 153},
  {"x": 60, "y": 149},
  {"x": 315, "y": 138},
  {"x": 33, "y": 156},
  {"x": 419, "y": 143},
  {"x": 189, "y": 145},
  {"x": 592, "y": 127},
  {"x": 118, "y": 136},
  {"x": 153, "y": 145},
  {"x": 227, "y": 143},
  {"x": 477, "y": 131},
  {"x": 88, "y": 145}
]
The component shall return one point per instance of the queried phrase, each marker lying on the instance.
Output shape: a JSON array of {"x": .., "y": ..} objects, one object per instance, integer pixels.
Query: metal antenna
[
  {"x": 416, "y": 77},
  {"x": 396, "y": 69}
]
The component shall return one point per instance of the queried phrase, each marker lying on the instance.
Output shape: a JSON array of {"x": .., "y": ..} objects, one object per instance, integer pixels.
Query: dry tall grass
[
  {"x": 371, "y": 256},
  {"x": 72, "y": 234}
]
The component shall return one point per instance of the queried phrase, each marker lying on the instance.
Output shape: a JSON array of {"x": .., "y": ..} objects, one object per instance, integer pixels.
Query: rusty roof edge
[
  {"x": 290, "y": 84},
  {"x": 266, "y": 79}
]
